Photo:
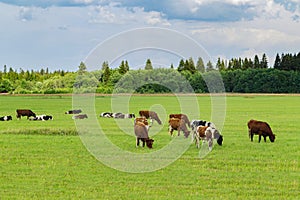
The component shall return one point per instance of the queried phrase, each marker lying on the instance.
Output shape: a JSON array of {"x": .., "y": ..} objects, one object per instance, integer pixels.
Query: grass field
[{"x": 47, "y": 160}]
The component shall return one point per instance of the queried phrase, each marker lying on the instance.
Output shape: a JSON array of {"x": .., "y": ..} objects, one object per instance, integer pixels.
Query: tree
[
  {"x": 191, "y": 65},
  {"x": 209, "y": 66},
  {"x": 82, "y": 68},
  {"x": 181, "y": 65},
  {"x": 148, "y": 65},
  {"x": 123, "y": 68},
  {"x": 200, "y": 65},
  {"x": 106, "y": 72},
  {"x": 220, "y": 65},
  {"x": 277, "y": 62},
  {"x": 256, "y": 62},
  {"x": 264, "y": 62}
]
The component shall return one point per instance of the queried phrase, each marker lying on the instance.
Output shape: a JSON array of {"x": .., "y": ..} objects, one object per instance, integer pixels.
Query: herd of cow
[{"x": 201, "y": 129}]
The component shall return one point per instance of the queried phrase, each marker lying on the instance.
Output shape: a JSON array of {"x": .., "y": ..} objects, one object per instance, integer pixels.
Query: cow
[
  {"x": 81, "y": 116},
  {"x": 144, "y": 121},
  {"x": 25, "y": 112},
  {"x": 106, "y": 114},
  {"x": 179, "y": 125},
  {"x": 141, "y": 133},
  {"x": 260, "y": 128},
  {"x": 123, "y": 116},
  {"x": 42, "y": 118},
  {"x": 195, "y": 123},
  {"x": 73, "y": 111},
  {"x": 181, "y": 116},
  {"x": 5, "y": 118},
  {"x": 207, "y": 133},
  {"x": 150, "y": 114}
]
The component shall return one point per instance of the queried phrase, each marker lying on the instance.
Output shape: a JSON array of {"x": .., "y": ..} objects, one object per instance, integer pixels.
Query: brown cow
[
  {"x": 179, "y": 125},
  {"x": 81, "y": 116},
  {"x": 25, "y": 112},
  {"x": 141, "y": 133},
  {"x": 260, "y": 128},
  {"x": 150, "y": 114},
  {"x": 181, "y": 116}
]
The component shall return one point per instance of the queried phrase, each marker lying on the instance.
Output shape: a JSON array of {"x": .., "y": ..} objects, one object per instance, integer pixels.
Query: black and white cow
[
  {"x": 197, "y": 123},
  {"x": 106, "y": 114},
  {"x": 73, "y": 111},
  {"x": 42, "y": 118},
  {"x": 5, "y": 118},
  {"x": 123, "y": 116}
]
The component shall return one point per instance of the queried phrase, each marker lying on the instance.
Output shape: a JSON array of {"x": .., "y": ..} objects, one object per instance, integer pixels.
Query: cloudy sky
[{"x": 59, "y": 34}]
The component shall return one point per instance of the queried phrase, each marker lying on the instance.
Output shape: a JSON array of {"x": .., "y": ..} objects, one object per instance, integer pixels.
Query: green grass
[{"x": 47, "y": 160}]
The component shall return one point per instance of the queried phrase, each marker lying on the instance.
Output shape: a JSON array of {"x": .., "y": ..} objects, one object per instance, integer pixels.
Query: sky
[{"x": 59, "y": 34}]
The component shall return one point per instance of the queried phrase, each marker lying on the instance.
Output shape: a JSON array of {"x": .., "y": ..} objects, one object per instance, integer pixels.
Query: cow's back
[{"x": 140, "y": 130}]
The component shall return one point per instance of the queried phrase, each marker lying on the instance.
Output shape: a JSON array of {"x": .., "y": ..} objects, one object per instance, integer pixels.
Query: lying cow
[
  {"x": 5, "y": 118},
  {"x": 106, "y": 114},
  {"x": 207, "y": 133},
  {"x": 82, "y": 116},
  {"x": 261, "y": 129},
  {"x": 42, "y": 118},
  {"x": 181, "y": 116},
  {"x": 25, "y": 112},
  {"x": 73, "y": 111},
  {"x": 141, "y": 133},
  {"x": 179, "y": 125},
  {"x": 122, "y": 116},
  {"x": 150, "y": 114}
]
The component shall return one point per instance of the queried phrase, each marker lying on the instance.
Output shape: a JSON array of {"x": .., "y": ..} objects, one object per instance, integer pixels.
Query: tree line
[{"x": 239, "y": 75}]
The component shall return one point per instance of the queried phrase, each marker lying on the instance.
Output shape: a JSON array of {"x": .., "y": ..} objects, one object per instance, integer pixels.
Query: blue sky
[{"x": 60, "y": 34}]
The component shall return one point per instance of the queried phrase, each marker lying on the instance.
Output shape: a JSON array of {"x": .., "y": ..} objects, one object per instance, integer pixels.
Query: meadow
[{"x": 47, "y": 159}]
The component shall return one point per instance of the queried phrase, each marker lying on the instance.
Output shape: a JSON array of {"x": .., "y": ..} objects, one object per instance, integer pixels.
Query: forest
[{"x": 242, "y": 75}]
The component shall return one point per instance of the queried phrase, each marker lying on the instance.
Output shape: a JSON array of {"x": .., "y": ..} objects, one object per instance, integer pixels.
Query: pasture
[{"x": 47, "y": 160}]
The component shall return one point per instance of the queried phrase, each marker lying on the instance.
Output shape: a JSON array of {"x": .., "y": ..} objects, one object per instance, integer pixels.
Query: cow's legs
[
  {"x": 170, "y": 130},
  {"x": 251, "y": 135},
  {"x": 265, "y": 138},
  {"x": 137, "y": 142},
  {"x": 259, "y": 138},
  {"x": 197, "y": 141}
]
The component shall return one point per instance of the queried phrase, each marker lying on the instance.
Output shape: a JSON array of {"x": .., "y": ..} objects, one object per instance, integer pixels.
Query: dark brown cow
[
  {"x": 82, "y": 116},
  {"x": 150, "y": 114},
  {"x": 25, "y": 112},
  {"x": 260, "y": 128},
  {"x": 181, "y": 116},
  {"x": 141, "y": 133},
  {"x": 179, "y": 125}
]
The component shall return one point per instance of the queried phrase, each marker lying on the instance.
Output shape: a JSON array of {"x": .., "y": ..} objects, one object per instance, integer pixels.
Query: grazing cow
[
  {"x": 106, "y": 114},
  {"x": 207, "y": 133},
  {"x": 196, "y": 123},
  {"x": 42, "y": 118},
  {"x": 261, "y": 129},
  {"x": 179, "y": 125},
  {"x": 141, "y": 133},
  {"x": 142, "y": 120},
  {"x": 25, "y": 112},
  {"x": 82, "y": 116},
  {"x": 73, "y": 111},
  {"x": 181, "y": 116},
  {"x": 150, "y": 114},
  {"x": 5, "y": 118}
]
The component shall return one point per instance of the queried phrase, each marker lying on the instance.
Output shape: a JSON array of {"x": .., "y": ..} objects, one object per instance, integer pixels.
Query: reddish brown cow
[
  {"x": 141, "y": 133},
  {"x": 179, "y": 125},
  {"x": 150, "y": 114},
  {"x": 261, "y": 129},
  {"x": 25, "y": 112},
  {"x": 181, "y": 116}
]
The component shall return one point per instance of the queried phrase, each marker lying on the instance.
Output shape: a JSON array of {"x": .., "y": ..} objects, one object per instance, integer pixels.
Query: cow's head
[
  {"x": 272, "y": 138},
  {"x": 187, "y": 133},
  {"x": 220, "y": 140},
  {"x": 149, "y": 143}
]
